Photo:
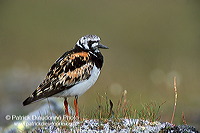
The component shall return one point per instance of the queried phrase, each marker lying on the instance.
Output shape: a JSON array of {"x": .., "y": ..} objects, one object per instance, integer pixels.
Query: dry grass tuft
[
  {"x": 175, "y": 100},
  {"x": 106, "y": 109}
]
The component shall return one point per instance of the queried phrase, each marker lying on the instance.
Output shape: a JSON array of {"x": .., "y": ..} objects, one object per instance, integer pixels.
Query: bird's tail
[
  {"x": 28, "y": 101},
  {"x": 38, "y": 95},
  {"x": 34, "y": 97}
]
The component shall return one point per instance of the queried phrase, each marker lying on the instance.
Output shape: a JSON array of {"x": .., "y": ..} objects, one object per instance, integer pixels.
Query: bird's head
[{"x": 90, "y": 43}]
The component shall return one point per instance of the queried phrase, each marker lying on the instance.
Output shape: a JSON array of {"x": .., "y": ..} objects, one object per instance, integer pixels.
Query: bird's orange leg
[
  {"x": 76, "y": 105},
  {"x": 66, "y": 107}
]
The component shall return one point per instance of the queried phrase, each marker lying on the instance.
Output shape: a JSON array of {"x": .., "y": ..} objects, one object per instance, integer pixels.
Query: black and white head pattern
[{"x": 88, "y": 42}]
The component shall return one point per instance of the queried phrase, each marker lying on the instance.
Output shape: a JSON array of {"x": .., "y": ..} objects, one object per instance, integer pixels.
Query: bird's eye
[{"x": 91, "y": 42}]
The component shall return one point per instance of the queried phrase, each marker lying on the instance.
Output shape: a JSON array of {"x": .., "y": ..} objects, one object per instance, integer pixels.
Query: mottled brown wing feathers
[{"x": 70, "y": 69}]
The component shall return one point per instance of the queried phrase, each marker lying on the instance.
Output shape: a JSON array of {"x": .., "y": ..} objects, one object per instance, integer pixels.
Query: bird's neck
[{"x": 97, "y": 57}]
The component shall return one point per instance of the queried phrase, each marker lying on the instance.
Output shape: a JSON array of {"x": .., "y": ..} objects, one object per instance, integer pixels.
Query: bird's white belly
[{"x": 83, "y": 86}]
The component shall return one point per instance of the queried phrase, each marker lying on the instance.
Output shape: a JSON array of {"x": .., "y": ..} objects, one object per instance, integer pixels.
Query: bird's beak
[{"x": 102, "y": 46}]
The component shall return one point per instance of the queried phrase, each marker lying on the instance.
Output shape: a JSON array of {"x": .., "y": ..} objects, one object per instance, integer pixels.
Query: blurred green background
[{"x": 150, "y": 42}]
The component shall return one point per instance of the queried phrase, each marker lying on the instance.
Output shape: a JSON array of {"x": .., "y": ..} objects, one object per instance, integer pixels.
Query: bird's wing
[{"x": 70, "y": 69}]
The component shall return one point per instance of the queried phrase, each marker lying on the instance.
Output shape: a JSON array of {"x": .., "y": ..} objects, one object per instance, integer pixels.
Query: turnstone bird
[{"x": 73, "y": 73}]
